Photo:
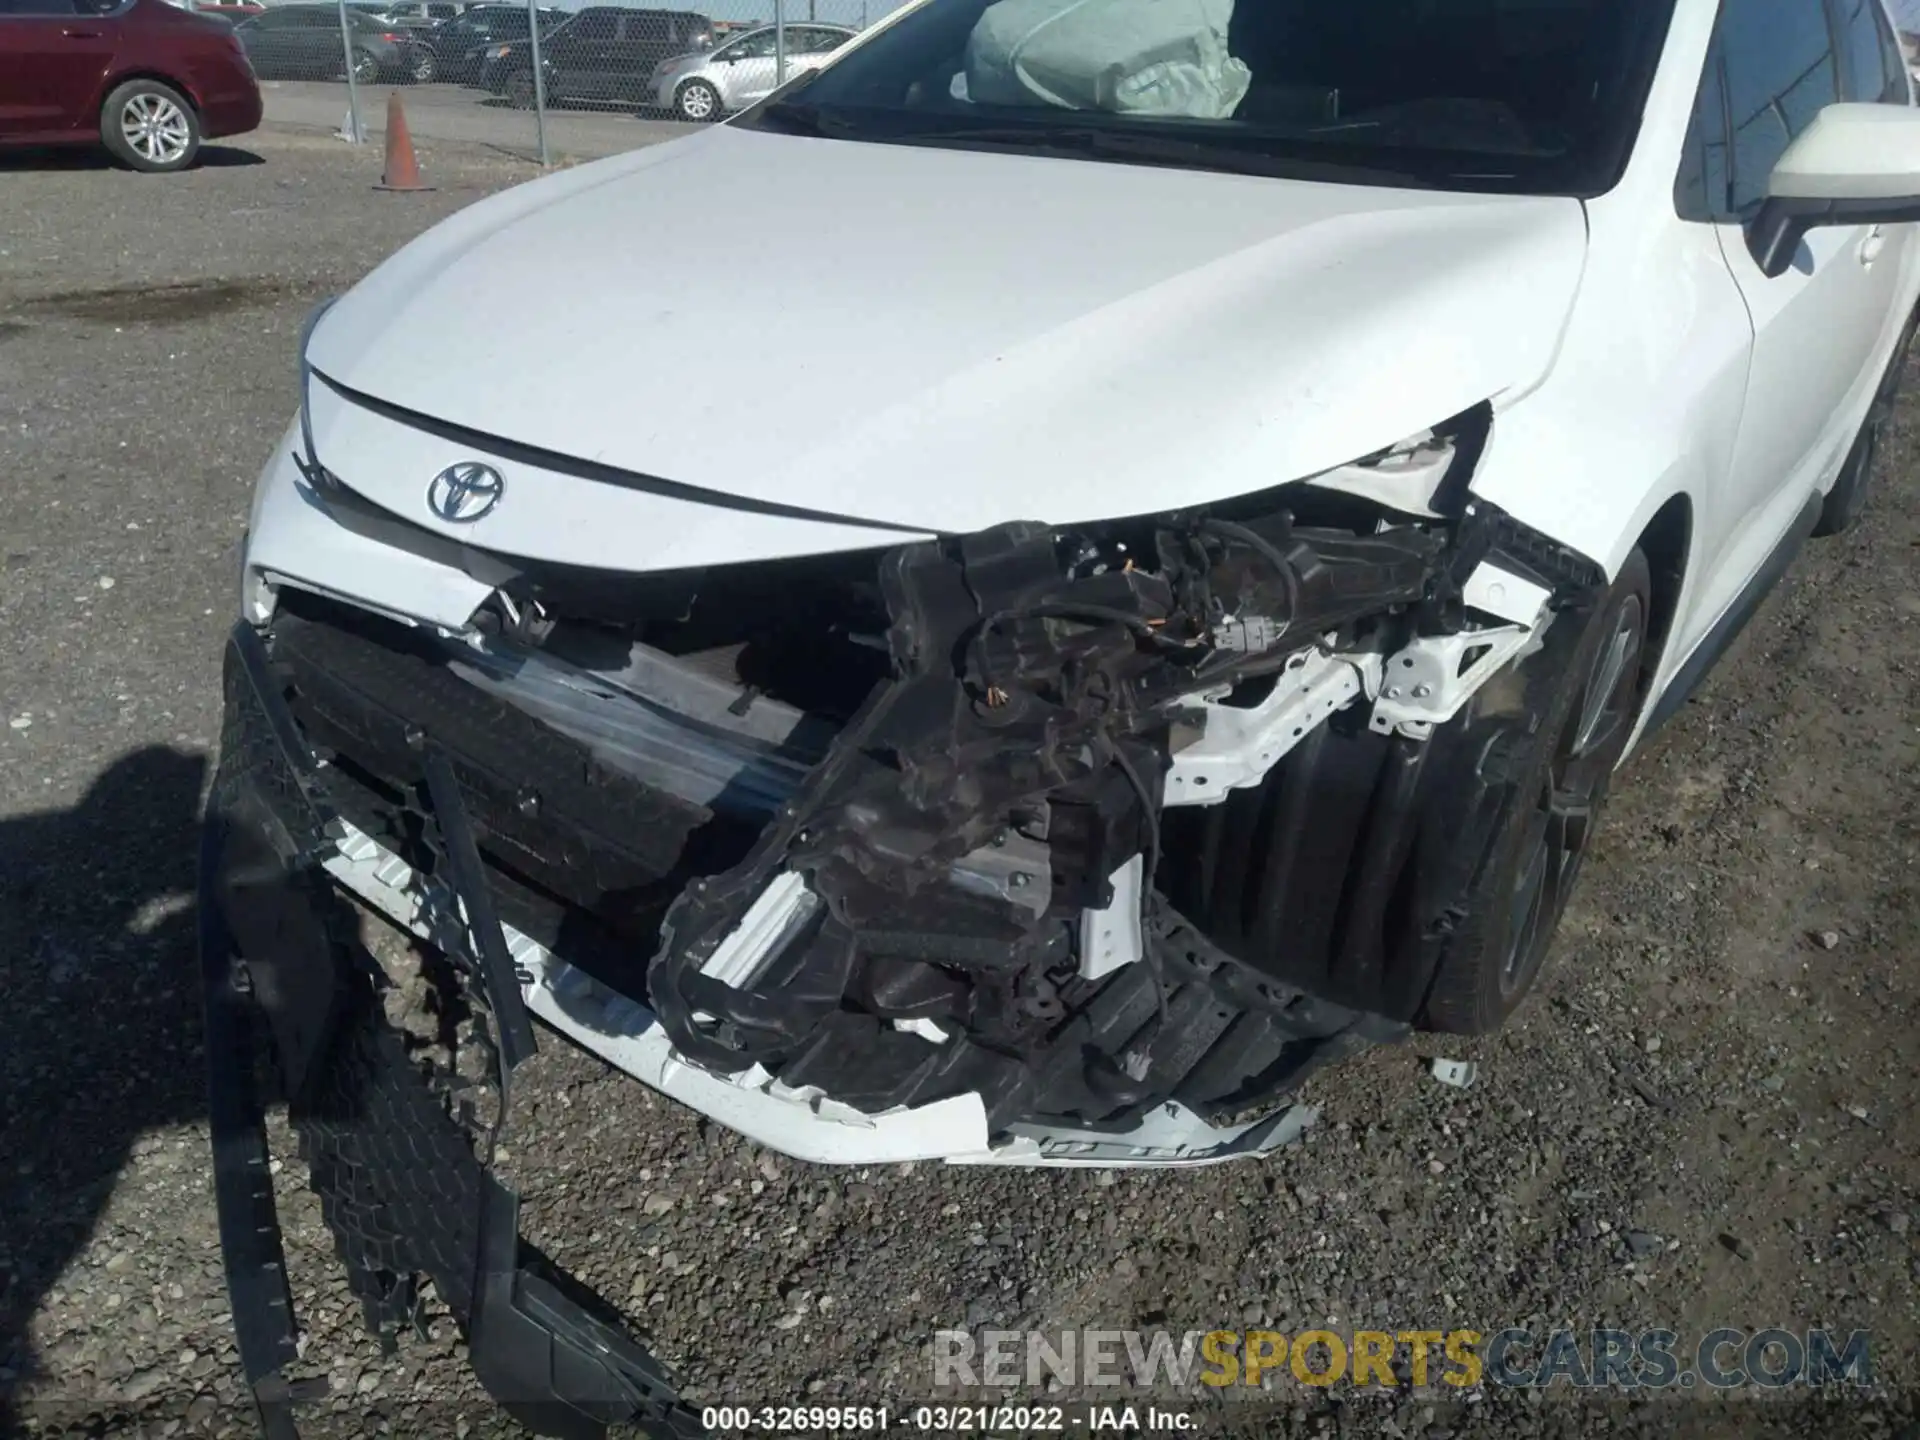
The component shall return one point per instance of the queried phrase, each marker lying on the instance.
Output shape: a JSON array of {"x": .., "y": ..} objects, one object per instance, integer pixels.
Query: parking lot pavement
[
  {"x": 461, "y": 113},
  {"x": 1707, "y": 1117}
]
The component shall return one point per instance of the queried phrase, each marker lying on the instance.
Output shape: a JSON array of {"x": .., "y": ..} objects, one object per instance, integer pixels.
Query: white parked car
[
  {"x": 734, "y": 75},
  {"x": 1213, "y": 514}
]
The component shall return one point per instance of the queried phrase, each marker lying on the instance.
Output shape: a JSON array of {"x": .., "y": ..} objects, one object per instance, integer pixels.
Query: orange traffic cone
[{"x": 403, "y": 171}]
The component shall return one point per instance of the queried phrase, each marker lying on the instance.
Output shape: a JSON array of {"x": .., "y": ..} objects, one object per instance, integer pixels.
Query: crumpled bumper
[
  {"x": 802, "y": 1124},
  {"x": 586, "y": 818},
  {"x": 405, "y": 1189}
]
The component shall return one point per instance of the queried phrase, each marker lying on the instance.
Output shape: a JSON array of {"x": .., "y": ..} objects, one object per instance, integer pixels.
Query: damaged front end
[
  {"x": 967, "y": 896},
  {"x": 938, "y": 852},
  {"x": 956, "y": 901},
  {"x": 894, "y": 856}
]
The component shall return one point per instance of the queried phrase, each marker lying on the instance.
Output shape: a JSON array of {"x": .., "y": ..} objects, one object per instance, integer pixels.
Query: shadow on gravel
[
  {"x": 100, "y": 1021},
  {"x": 90, "y": 157}
]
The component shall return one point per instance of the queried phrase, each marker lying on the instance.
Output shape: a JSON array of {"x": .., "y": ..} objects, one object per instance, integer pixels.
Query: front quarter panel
[
  {"x": 1644, "y": 407},
  {"x": 1645, "y": 401}
]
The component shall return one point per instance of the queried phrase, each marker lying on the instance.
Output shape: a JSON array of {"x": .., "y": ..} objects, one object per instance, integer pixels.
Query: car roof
[
  {"x": 636, "y": 10},
  {"x": 795, "y": 25}
]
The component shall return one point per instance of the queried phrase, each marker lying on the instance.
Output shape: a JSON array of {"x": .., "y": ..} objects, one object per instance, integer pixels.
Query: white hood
[{"x": 947, "y": 340}]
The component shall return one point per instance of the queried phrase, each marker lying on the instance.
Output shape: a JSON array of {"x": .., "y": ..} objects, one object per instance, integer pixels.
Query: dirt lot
[{"x": 1706, "y": 1118}]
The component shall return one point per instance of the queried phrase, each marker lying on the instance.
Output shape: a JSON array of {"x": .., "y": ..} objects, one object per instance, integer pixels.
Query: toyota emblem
[{"x": 463, "y": 493}]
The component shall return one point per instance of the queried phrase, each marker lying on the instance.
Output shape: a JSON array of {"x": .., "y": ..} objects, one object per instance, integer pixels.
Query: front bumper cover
[
  {"x": 803, "y": 1124},
  {"x": 404, "y": 1188}
]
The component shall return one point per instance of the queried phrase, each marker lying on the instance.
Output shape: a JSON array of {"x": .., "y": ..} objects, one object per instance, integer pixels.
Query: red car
[{"x": 141, "y": 77}]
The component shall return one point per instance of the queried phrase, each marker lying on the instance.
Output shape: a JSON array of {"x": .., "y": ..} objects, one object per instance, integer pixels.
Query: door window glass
[
  {"x": 1874, "y": 68},
  {"x": 758, "y": 46},
  {"x": 1780, "y": 73},
  {"x": 815, "y": 41},
  {"x": 1700, "y": 191}
]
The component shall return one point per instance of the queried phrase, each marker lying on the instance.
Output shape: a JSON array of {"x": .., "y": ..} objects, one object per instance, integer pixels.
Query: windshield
[{"x": 1540, "y": 96}]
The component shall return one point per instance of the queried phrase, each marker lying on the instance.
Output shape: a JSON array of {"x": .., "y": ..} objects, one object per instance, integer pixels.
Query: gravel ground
[{"x": 1706, "y": 1117}]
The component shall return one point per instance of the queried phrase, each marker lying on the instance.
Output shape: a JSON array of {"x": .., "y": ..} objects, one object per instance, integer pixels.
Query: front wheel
[
  {"x": 366, "y": 69},
  {"x": 1422, "y": 879},
  {"x": 519, "y": 91},
  {"x": 697, "y": 101},
  {"x": 1560, "y": 777},
  {"x": 422, "y": 71},
  {"x": 150, "y": 127}
]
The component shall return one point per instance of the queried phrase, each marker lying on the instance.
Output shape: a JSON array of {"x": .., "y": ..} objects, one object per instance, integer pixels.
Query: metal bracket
[
  {"x": 1428, "y": 682},
  {"x": 1238, "y": 747},
  {"x": 1110, "y": 937},
  {"x": 1425, "y": 684},
  {"x": 1504, "y": 595}
]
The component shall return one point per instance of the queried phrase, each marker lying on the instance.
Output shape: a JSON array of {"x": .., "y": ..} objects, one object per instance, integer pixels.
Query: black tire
[
  {"x": 519, "y": 90},
  {"x": 423, "y": 69},
  {"x": 366, "y": 69},
  {"x": 1848, "y": 497},
  {"x": 1491, "y": 961},
  {"x": 150, "y": 127},
  {"x": 1380, "y": 871},
  {"x": 697, "y": 96}
]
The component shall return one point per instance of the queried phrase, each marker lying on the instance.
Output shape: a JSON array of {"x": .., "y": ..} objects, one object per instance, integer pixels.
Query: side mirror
[{"x": 1854, "y": 165}]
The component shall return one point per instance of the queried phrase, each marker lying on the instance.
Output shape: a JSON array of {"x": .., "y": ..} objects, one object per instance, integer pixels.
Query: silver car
[{"x": 734, "y": 75}]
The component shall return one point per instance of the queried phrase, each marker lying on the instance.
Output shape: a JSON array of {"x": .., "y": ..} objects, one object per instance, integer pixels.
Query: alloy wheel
[
  {"x": 156, "y": 128},
  {"x": 1560, "y": 824},
  {"x": 698, "y": 101}
]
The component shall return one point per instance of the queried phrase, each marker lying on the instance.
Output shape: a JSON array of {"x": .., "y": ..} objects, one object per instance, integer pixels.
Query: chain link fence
[{"x": 549, "y": 82}]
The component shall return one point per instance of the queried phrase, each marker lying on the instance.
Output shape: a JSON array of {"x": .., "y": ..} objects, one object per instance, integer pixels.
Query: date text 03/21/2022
[{"x": 944, "y": 1419}]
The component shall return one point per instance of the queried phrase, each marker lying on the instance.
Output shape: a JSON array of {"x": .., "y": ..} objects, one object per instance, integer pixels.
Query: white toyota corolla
[{"x": 1226, "y": 485}]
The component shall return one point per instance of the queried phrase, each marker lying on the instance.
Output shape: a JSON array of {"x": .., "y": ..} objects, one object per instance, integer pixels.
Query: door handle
[
  {"x": 1871, "y": 247},
  {"x": 81, "y": 34}
]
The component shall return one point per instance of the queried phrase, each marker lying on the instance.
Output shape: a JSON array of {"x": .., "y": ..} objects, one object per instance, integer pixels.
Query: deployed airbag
[{"x": 1150, "y": 57}]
